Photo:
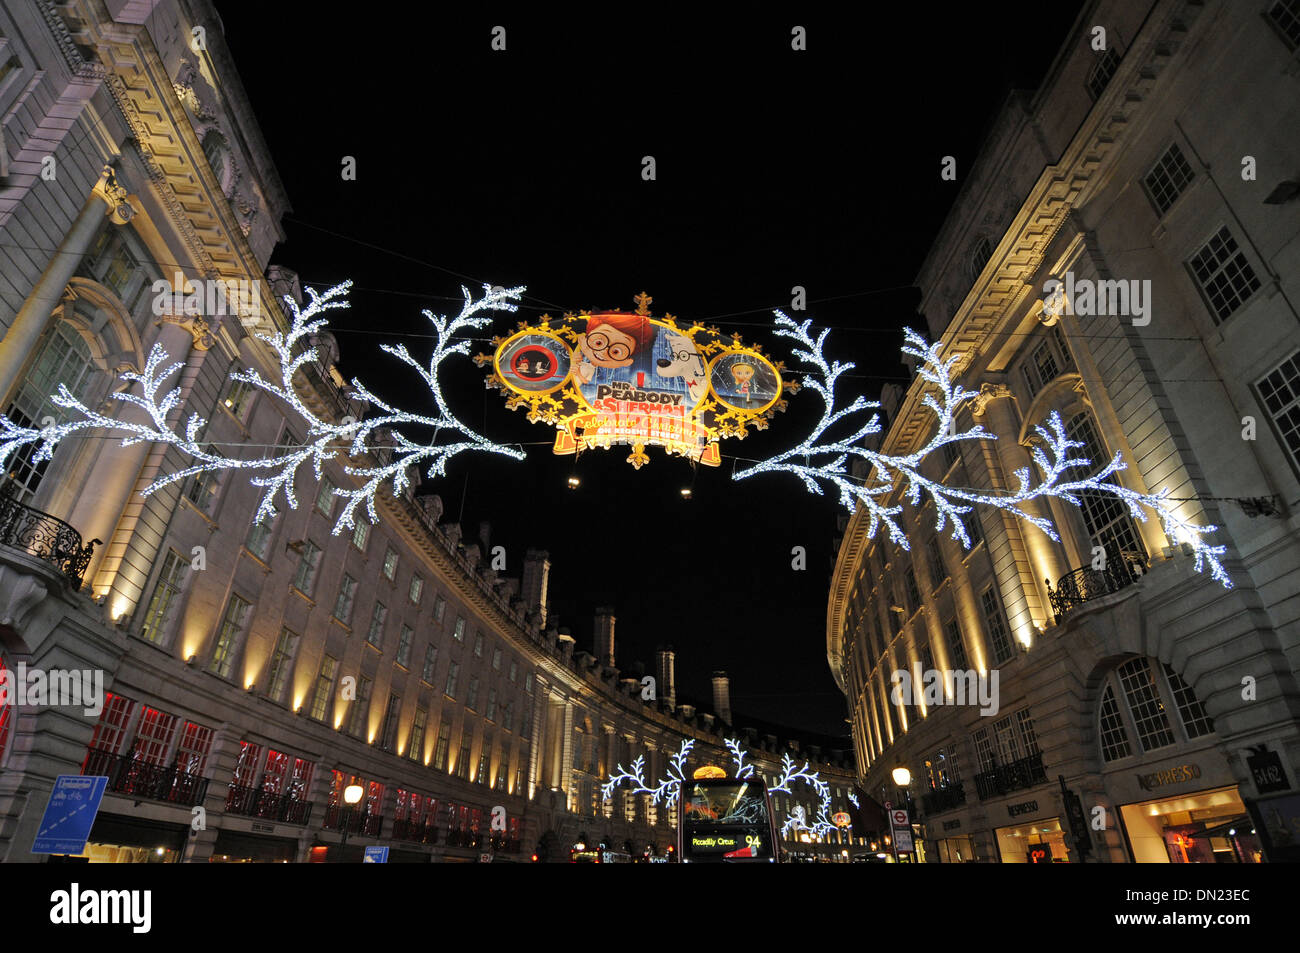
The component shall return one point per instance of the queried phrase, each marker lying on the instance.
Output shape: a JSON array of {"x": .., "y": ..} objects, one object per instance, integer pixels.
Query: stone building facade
[{"x": 1154, "y": 178}]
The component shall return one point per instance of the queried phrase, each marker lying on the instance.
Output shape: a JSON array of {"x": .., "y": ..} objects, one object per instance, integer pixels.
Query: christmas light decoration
[
  {"x": 853, "y": 799},
  {"x": 1053, "y": 457},
  {"x": 821, "y": 824},
  {"x": 667, "y": 789},
  {"x": 325, "y": 440}
]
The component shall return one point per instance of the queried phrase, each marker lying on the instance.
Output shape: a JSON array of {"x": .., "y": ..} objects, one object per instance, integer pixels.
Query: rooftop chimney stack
[
  {"x": 666, "y": 676},
  {"x": 537, "y": 573},
  {"x": 722, "y": 697},
  {"x": 605, "y": 635},
  {"x": 484, "y": 538}
]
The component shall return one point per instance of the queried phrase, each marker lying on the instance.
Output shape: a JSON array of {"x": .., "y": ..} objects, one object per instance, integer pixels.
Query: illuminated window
[
  {"x": 359, "y": 720},
  {"x": 361, "y": 535},
  {"x": 246, "y": 765},
  {"x": 232, "y": 627},
  {"x": 325, "y": 497},
  {"x": 285, "y": 649},
  {"x": 415, "y": 745},
  {"x": 391, "y": 718},
  {"x": 416, "y": 590},
  {"x": 1145, "y": 704},
  {"x": 458, "y": 633},
  {"x": 153, "y": 737},
  {"x": 238, "y": 398},
  {"x": 1114, "y": 736},
  {"x": 192, "y": 749},
  {"x": 110, "y": 730},
  {"x": 205, "y": 486},
  {"x": 390, "y": 564},
  {"x": 166, "y": 595},
  {"x": 320, "y": 702},
  {"x": 440, "y": 752},
  {"x": 1223, "y": 274},
  {"x": 484, "y": 760},
  {"x": 462, "y": 760}
]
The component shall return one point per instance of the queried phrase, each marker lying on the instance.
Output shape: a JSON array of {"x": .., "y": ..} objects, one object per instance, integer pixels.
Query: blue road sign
[
  {"x": 376, "y": 855},
  {"x": 74, "y": 802}
]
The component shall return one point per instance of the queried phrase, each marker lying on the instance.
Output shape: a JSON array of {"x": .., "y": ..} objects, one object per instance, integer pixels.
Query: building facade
[
  {"x": 253, "y": 672},
  {"x": 1152, "y": 177}
]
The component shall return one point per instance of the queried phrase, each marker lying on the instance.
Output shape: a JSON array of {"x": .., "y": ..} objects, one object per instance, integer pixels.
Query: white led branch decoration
[
  {"x": 325, "y": 440},
  {"x": 667, "y": 789},
  {"x": 820, "y": 459}
]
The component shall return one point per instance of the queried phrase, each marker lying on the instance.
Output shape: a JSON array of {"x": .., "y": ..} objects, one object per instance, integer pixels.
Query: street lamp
[
  {"x": 902, "y": 776},
  {"x": 351, "y": 797}
]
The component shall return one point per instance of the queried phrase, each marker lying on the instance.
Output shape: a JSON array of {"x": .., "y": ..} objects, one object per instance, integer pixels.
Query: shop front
[
  {"x": 116, "y": 839},
  {"x": 237, "y": 847},
  {"x": 1185, "y": 811},
  {"x": 1036, "y": 836}
]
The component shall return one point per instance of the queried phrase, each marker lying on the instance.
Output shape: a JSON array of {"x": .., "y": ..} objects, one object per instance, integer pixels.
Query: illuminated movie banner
[{"x": 617, "y": 378}]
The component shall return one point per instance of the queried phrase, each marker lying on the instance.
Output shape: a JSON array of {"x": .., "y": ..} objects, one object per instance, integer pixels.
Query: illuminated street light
[{"x": 902, "y": 777}]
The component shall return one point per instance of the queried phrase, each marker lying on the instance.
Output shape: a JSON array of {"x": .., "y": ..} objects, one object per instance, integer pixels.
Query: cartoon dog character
[{"x": 685, "y": 361}]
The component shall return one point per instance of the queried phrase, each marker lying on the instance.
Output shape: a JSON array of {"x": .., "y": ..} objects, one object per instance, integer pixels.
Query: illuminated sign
[
  {"x": 708, "y": 771},
  {"x": 1024, "y": 807},
  {"x": 1040, "y": 853},
  {"x": 1183, "y": 772},
  {"x": 616, "y": 378}
]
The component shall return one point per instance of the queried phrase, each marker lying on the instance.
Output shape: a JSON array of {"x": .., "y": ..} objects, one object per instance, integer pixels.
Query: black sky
[{"x": 774, "y": 169}]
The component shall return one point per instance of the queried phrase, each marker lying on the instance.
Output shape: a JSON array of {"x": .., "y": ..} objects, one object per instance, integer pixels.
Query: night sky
[{"x": 774, "y": 169}]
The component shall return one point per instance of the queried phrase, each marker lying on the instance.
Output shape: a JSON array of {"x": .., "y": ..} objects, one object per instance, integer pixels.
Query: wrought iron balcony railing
[
  {"x": 251, "y": 802},
  {"x": 1081, "y": 585},
  {"x": 415, "y": 832},
  {"x": 1004, "y": 778},
  {"x": 356, "y": 820},
  {"x": 943, "y": 799},
  {"x": 139, "y": 779},
  {"x": 45, "y": 537}
]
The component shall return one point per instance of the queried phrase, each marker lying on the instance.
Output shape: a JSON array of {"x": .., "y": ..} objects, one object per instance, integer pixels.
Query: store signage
[
  {"x": 375, "y": 855},
  {"x": 263, "y": 828},
  {"x": 899, "y": 819},
  {"x": 1175, "y": 775},
  {"x": 951, "y": 825},
  {"x": 1024, "y": 807},
  {"x": 615, "y": 378},
  {"x": 69, "y": 814},
  {"x": 1266, "y": 769},
  {"x": 1040, "y": 853}
]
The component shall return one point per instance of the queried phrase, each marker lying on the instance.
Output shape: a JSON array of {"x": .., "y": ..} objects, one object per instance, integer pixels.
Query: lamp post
[
  {"x": 351, "y": 797},
  {"x": 902, "y": 778}
]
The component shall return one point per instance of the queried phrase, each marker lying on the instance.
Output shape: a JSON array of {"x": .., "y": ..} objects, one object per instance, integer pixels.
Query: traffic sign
[
  {"x": 903, "y": 841},
  {"x": 900, "y": 819},
  {"x": 70, "y": 814},
  {"x": 375, "y": 855}
]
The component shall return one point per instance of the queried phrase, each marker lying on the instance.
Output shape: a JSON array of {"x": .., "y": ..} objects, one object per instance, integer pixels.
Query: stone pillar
[{"x": 105, "y": 200}]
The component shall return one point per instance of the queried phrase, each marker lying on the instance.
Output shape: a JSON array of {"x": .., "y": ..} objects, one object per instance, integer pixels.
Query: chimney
[
  {"x": 564, "y": 641},
  {"x": 722, "y": 697},
  {"x": 484, "y": 535},
  {"x": 666, "y": 676},
  {"x": 537, "y": 572},
  {"x": 605, "y": 635}
]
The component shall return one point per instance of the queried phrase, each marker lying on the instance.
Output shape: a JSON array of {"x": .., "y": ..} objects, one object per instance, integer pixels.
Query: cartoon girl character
[
  {"x": 610, "y": 341},
  {"x": 744, "y": 376}
]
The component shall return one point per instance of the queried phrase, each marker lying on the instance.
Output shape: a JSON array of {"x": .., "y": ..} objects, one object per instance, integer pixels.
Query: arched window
[
  {"x": 1137, "y": 702},
  {"x": 979, "y": 257},
  {"x": 1106, "y": 517},
  {"x": 64, "y": 359},
  {"x": 214, "y": 150}
]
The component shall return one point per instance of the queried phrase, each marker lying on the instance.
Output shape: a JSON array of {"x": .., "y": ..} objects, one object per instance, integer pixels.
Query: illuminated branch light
[
  {"x": 323, "y": 438},
  {"x": 667, "y": 789},
  {"x": 1053, "y": 458},
  {"x": 789, "y": 774}
]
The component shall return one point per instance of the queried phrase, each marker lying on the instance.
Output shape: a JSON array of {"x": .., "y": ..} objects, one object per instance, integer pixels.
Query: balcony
[
  {"x": 1084, "y": 584},
  {"x": 151, "y": 782},
  {"x": 414, "y": 832},
  {"x": 1005, "y": 778},
  {"x": 357, "y": 821},
  {"x": 45, "y": 537},
  {"x": 943, "y": 799},
  {"x": 251, "y": 802}
]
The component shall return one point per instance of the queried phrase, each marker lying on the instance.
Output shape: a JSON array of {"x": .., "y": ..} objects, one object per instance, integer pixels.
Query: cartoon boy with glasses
[{"x": 611, "y": 341}]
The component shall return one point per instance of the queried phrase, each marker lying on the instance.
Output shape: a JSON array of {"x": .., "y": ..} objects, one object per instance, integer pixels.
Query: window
[
  {"x": 344, "y": 603},
  {"x": 926, "y": 656},
  {"x": 1279, "y": 392},
  {"x": 508, "y": 716},
  {"x": 979, "y": 258},
  {"x": 528, "y": 683},
  {"x": 415, "y": 744},
  {"x": 154, "y": 736},
  {"x": 192, "y": 749},
  {"x": 984, "y": 750},
  {"x": 934, "y": 556},
  {"x": 237, "y": 399},
  {"x": 496, "y": 660},
  {"x": 1114, "y": 736},
  {"x": 281, "y": 661},
  {"x": 110, "y": 730},
  {"x": 1167, "y": 179},
  {"x": 1285, "y": 18},
  {"x": 1145, "y": 705},
  {"x": 974, "y": 529},
  {"x": 204, "y": 486},
  {"x": 166, "y": 594},
  {"x": 416, "y": 590},
  {"x": 1102, "y": 71},
  {"x": 320, "y": 701},
  {"x": 909, "y": 587},
  {"x": 1223, "y": 275},
  {"x": 1195, "y": 721},
  {"x": 404, "y": 646},
  {"x": 259, "y": 536},
  {"x": 458, "y": 633},
  {"x": 378, "y": 615},
  {"x": 453, "y": 670},
  {"x": 277, "y": 769},
  {"x": 526, "y": 723},
  {"x": 359, "y": 719},
  {"x": 1040, "y": 368},
  {"x": 430, "y": 659},
  {"x": 462, "y": 760},
  {"x": 439, "y": 609},
  {"x": 390, "y": 564},
  {"x": 484, "y": 760},
  {"x": 478, "y": 644},
  {"x": 246, "y": 765},
  {"x": 64, "y": 359},
  {"x": 440, "y": 752},
  {"x": 471, "y": 699},
  {"x": 951, "y": 454},
  {"x": 1027, "y": 733},
  {"x": 996, "y": 624},
  {"x": 325, "y": 497},
  {"x": 304, "y": 580},
  {"x": 1107, "y": 519},
  {"x": 391, "y": 718},
  {"x": 232, "y": 626},
  {"x": 491, "y": 713},
  {"x": 361, "y": 535},
  {"x": 514, "y": 671}
]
